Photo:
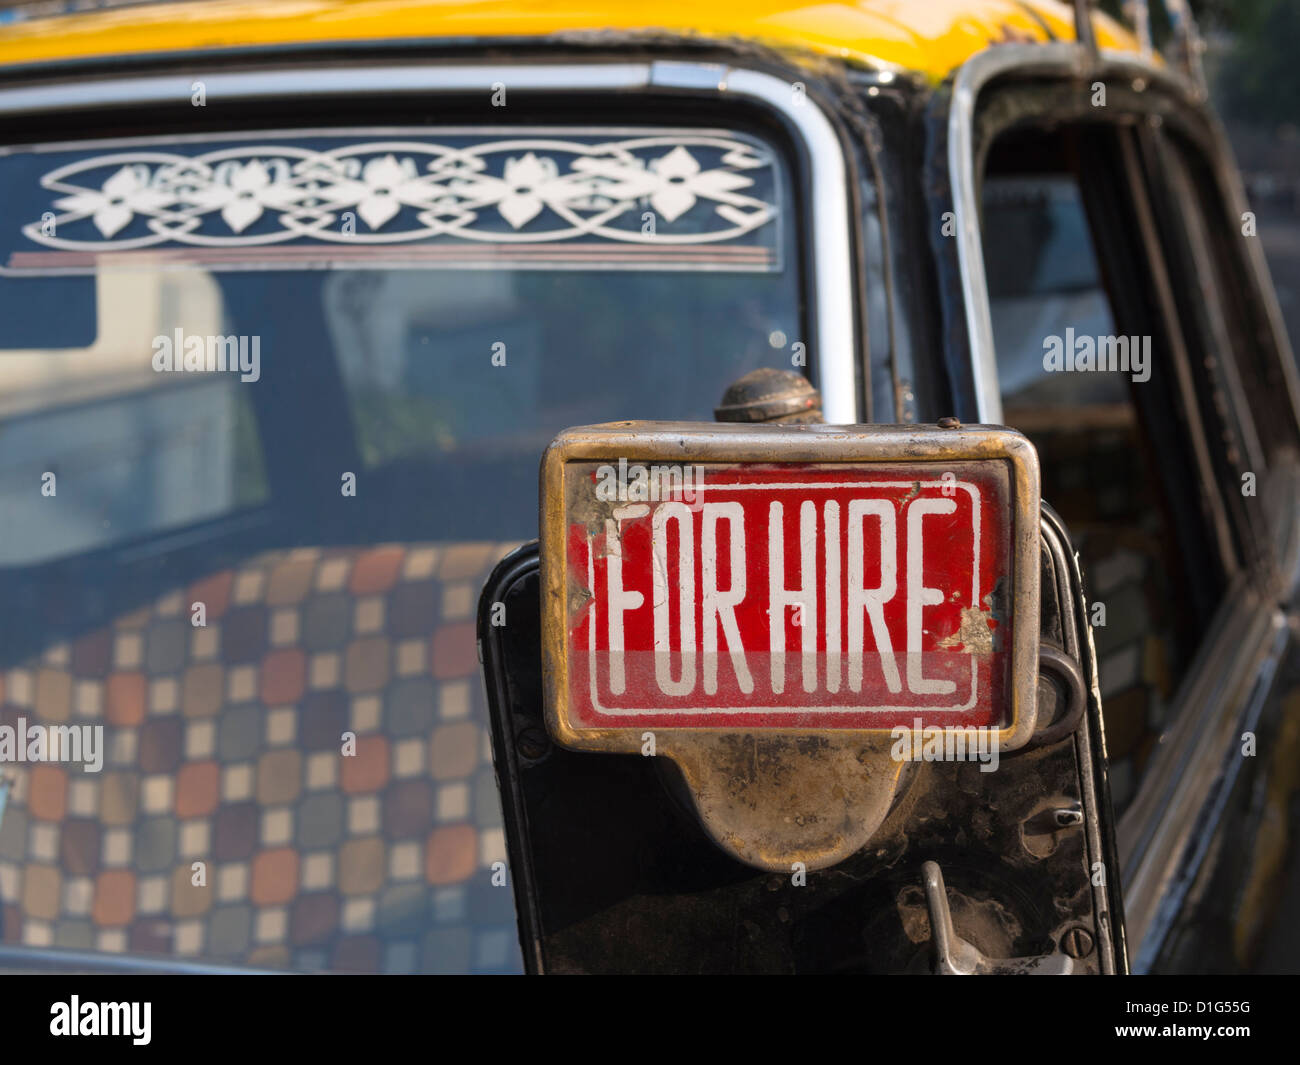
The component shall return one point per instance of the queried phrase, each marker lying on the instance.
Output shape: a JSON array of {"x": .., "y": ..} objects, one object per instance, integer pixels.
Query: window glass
[
  {"x": 292, "y": 391},
  {"x": 1238, "y": 344},
  {"x": 1053, "y": 319}
]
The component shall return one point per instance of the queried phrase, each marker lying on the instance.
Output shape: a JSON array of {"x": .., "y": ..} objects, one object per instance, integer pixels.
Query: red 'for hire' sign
[{"x": 788, "y": 596}]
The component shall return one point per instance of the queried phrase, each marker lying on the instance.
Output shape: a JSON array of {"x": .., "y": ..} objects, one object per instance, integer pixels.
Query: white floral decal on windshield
[
  {"x": 702, "y": 188},
  {"x": 121, "y": 197}
]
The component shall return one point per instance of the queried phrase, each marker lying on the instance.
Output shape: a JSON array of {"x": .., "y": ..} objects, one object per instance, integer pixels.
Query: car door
[{"x": 1118, "y": 317}]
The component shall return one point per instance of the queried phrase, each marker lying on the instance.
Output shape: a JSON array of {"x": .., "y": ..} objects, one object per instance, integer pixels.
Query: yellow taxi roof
[{"x": 929, "y": 37}]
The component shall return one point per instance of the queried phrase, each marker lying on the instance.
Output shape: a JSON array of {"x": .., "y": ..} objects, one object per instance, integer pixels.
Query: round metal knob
[{"x": 769, "y": 395}]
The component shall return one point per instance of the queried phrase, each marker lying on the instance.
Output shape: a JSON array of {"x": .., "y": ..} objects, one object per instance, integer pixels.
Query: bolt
[
  {"x": 949, "y": 423},
  {"x": 1077, "y": 942},
  {"x": 532, "y": 742}
]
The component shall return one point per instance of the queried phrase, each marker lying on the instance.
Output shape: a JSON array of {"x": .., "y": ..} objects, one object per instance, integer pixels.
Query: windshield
[{"x": 271, "y": 409}]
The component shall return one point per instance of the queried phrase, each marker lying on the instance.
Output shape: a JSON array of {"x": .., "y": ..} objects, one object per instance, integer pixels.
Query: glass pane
[
  {"x": 1049, "y": 310},
  {"x": 293, "y": 390}
]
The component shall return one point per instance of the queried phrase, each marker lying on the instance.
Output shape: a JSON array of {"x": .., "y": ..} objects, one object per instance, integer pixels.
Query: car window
[
  {"x": 272, "y": 410},
  {"x": 1238, "y": 341},
  {"x": 1090, "y": 383}
]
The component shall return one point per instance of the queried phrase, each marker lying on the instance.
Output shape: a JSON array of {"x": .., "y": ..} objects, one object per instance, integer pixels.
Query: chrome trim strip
[
  {"x": 971, "y": 78},
  {"x": 1198, "y": 842},
  {"x": 835, "y": 352},
  {"x": 1234, "y": 193},
  {"x": 252, "y": 84},
  {"x": 25, "y": 960},
  {"x": 1065, "y": 57},
  {"x": 1281, "y": 500},
  {"x": 1162, "y": 834}
]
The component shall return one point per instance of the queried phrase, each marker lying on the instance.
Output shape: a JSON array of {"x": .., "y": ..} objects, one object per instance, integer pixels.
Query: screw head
[
  {"x": 949, "y": 423},
  {"x": 532, "y": 742},
  {"x": 1077, "y": 942}
]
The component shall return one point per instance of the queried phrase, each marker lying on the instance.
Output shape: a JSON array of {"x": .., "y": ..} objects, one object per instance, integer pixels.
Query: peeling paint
[{"x": 975, "y": 634}]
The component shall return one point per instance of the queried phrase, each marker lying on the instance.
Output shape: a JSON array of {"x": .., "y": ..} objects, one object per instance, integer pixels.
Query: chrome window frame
[
  {"x": 1162, "y": 837},
  {"x": 831, "y": 286}
]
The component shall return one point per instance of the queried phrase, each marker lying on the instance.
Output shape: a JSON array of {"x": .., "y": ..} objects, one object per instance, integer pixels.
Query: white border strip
[{"x": 610, "y": 711}]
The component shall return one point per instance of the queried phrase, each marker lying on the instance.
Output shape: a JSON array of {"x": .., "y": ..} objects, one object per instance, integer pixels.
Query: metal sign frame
[{"x": 645, "y": 442}]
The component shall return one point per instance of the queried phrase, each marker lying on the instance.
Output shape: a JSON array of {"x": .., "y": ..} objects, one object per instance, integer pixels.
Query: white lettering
[
  {"x": 719, "y": 607},
  {"x": 803, "y": 598},
  {"x": 918, "y": 596},
  {"x": 620, "y": 600},
  {"x": 872, "y": 601},
  {"x": 681, "y": 514}
]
